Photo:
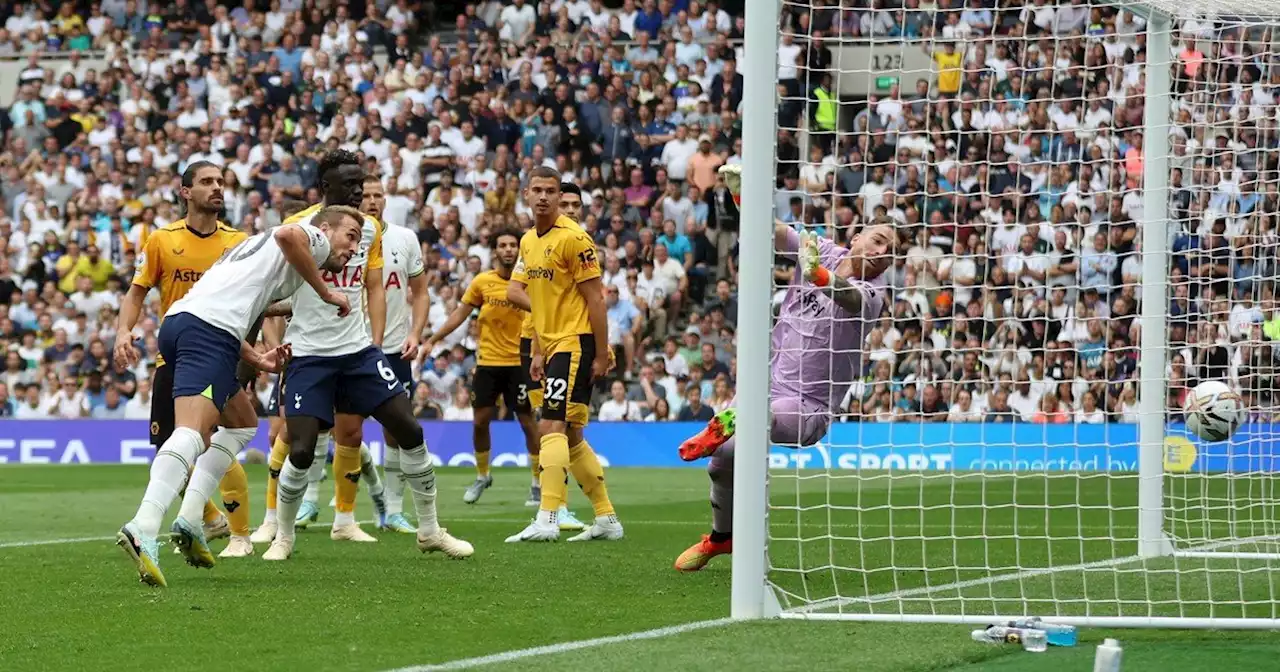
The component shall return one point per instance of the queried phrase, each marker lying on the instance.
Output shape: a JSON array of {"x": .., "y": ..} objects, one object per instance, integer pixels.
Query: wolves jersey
[
  {"x": 316, "y": 330},
  {"x": 551, "y": 266},
  {"x": 526, "y": 328},
  {"x": 245, "y": 281},
  {"x": 402, "y": 259}
]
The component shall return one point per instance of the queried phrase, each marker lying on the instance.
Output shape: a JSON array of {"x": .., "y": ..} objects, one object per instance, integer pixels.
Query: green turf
[{"x": 76, "y": 606}]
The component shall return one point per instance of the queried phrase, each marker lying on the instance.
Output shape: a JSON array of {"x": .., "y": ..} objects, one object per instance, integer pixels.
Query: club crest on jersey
[{"x": 349, "y": 276}]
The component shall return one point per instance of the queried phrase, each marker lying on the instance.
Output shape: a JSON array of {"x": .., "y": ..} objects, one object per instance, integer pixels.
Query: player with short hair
[
  {"x": 339, "y": 375},
  {"x": 557, "y": 278},
  {"x": 172, "y": 260},
  {"x": 817, "y": 345},
  {"x": 203, "y": 339},
  {"x": 403, "y": 268}
]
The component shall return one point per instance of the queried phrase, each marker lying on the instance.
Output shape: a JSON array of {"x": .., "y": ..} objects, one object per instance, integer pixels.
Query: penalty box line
[{"x": 565, "y": 647}]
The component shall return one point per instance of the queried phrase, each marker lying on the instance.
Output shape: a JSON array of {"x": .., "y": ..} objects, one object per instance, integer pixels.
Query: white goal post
[{"x": 1165, "y": 114}]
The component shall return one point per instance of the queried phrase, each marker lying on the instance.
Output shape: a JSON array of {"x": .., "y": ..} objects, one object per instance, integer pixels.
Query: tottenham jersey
[
  {"x": 249, "y": 277},
  {"x": 402, "y": 259},
  {"x": 316, "y": 329}
]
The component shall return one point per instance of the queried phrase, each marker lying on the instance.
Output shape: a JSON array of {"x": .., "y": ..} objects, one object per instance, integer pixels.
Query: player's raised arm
[
  {"x": 471, "y": 300},
  {"x": 296, "y": 243}
]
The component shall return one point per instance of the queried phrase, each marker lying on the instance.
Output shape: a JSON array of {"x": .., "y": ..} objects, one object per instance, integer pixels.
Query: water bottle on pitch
[
  {"x": 1058, "y": 634},
  {"x": 1035, "y": 641}
]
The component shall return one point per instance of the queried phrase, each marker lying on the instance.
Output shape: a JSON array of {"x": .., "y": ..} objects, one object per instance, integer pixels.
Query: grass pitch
[{"x": 72, "y": 602}]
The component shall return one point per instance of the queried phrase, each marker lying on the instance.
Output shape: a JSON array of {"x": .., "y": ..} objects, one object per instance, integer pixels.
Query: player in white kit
[
  {"x": 402, "y": 270},
  {"x": 338, "y": 366},
  {"x": 203, "y": 338}
]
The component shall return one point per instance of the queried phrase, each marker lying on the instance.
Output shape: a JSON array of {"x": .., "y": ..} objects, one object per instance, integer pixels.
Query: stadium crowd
[{"x": 1013, "y": 173}]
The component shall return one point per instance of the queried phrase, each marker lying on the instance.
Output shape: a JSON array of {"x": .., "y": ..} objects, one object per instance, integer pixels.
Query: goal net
[{"x": 1088, "y": 201}]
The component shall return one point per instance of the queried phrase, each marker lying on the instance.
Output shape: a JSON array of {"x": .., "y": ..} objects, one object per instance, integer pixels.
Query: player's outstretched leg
[
  {"x": 266, "y": 533},
  {"x": 718, "y": 430},
  {"x": 211, "y": 466},
  {"x": 396, "y": 415},
  {"x": 720, "y": 541},
  {"x": 169, "y": 472},
  {"x": 394, "y": 491},
  {"x": 309, "y": 510}
]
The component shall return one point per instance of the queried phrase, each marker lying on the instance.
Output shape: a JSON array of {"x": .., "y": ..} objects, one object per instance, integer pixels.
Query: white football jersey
[
  {"x": 316, "y": 329},
  {"x": 402, "y": 259},
  {"x": 249, "y": 277}
]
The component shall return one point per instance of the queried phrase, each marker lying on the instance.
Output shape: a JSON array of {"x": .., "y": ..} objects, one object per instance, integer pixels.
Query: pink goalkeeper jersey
[{"x": 817, "y": 345}]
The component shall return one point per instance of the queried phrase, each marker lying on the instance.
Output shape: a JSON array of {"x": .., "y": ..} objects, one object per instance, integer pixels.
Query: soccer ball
[{"x": 1214, "y": 411}]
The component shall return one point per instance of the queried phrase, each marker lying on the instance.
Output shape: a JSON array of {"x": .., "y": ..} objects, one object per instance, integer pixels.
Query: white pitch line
[
  {"x": 84, "y": 540},
  {"x": 564, "y": 647}
]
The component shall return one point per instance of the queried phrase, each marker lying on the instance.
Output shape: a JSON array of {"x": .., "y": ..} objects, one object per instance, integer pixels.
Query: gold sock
[
  {"x": 554, "y": 469},
  {"x": 590, "y": 476},
  {"x": 346, "y": 477},
  {"x": 482, "y": 463},
  {"x": 235, "y": 499},
  {"x": 279, "y": 453},
  {"x": 211, "y": 512}
]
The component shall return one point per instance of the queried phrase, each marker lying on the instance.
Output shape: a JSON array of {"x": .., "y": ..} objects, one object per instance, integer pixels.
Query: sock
[
  {"x": 234, "y": 486},
  {"x": 293, "y": 483},
  {"x": 482, "y": 463},
  {"x": 721, "y": 472},
  {"x": 346, "y": 477},
  {"x": 279, "y": 451},
  {"x": 370, "y": 472},
  {"x": 554, "y": 467},
  {"x": 534, "y": 460},
  {"x": 422, "y": 483},
  {"x": 394, "y": 484},
  {"x": 211, "y": 466},
  {"x": 315, "y": 473},
  {"x": 211, "y": 513},
  {"x": 169, "y": 471},
  {"x": 590, "y": 476}
]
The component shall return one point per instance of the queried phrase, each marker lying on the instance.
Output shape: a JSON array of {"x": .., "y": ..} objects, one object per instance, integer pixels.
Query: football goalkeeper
[{"x": 817, "y": 344}]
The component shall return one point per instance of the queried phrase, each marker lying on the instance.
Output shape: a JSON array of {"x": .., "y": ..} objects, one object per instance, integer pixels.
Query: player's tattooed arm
[
  {"x": 845, "y": 295},
  {"x": 280, "y": 309}
]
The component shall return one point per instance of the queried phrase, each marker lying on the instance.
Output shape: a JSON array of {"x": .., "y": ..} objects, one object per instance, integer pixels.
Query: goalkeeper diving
[{"x": 817, "y": 352}]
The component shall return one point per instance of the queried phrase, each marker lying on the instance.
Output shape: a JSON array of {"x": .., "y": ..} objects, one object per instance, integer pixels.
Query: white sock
[
  {"x": 341, "y": 518},
  {"x": 422, "y": 483},
  {"x": 370, "y": 472},
  {"x": 393, "y": 484},
  {"x": 211, "y": 466},
  {"x": 169, "y": 471},
  {"x": 224, "y": 446},
  {"x": 316, "y": 473},
  {"x": 547, "y": 517},
  {"x": 293, "y": 483},
  {"x": 269, "y": 518}
]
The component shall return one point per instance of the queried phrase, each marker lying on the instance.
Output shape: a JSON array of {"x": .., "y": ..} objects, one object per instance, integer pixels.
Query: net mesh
[{"x": 985, "y": 459}]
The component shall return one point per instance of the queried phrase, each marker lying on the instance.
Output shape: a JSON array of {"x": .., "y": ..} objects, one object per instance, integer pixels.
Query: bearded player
[
  {"x": 558, "y": 276},
  {"x": 339, "y": 375},
  {"x": 172, "y": 260},
  {"x": 203, "y": 339},
  {"x": 817, "y": 345}
]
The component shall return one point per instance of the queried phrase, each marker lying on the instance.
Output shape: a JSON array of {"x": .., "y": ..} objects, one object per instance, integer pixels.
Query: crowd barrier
[{"x": 910, "y": 447}]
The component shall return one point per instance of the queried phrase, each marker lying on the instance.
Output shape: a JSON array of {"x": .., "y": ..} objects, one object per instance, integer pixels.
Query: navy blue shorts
[
  {"x": 403, "y": 369},
  {"x": 358, "y": 384},
  {"x": 203, "y": 358},
  {"x": 273, "y": 401}
]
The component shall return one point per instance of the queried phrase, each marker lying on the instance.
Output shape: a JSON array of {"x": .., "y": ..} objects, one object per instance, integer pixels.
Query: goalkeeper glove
[
  {"x": 732, "y": 174},
  {"x": 809, "y": 258}
]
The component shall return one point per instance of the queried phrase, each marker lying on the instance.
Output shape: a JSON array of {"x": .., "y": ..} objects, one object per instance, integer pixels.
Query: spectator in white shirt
[
  {"x": 139, "y": 407},
  {"x": 677, "y": 152},
  {"x": 460, "y": 409},
  {"x": 618, "y": 407}
]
